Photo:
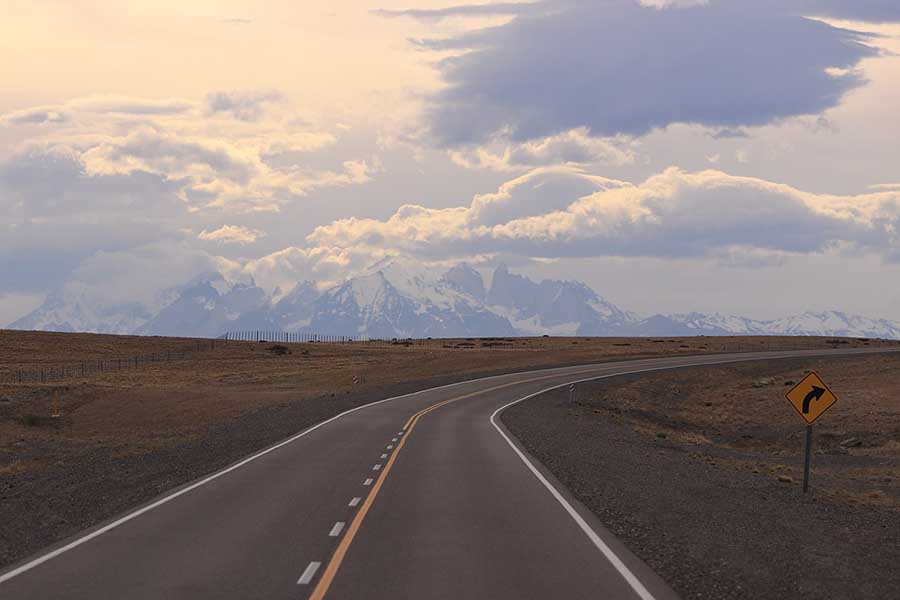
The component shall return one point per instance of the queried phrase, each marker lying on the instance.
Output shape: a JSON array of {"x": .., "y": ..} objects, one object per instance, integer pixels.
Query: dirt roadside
[
  {"x": 126, "y": 436},
  {"x": 698, "y": 472}
]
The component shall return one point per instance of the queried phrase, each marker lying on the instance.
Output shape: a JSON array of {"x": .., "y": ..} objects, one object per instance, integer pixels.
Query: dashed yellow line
[{"x": 338, "y": 557}]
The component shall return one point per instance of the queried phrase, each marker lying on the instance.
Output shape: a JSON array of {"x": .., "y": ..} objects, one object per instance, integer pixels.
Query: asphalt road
[{"x": 418, "y": 496}]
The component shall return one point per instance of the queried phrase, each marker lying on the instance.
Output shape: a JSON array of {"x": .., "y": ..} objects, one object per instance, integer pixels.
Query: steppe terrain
[
  {"x": 135, "y": 429},
  {"x": 698, "y": 471}
]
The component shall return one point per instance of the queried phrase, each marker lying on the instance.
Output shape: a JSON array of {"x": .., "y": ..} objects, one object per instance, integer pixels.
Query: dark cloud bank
[{"x": 618, "y": 67}]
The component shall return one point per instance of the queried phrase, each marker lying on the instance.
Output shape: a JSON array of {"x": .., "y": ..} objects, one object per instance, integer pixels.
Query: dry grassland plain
[
  {"x": 699, "y": 472},
  {"x": 736, "y": 417},
  {"x": 125, "y": 436}
]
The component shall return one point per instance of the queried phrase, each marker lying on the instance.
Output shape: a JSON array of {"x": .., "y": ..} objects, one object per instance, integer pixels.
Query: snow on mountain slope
[
  {"x": 74, "y": 308},
  {"x": 392, "y": 300},
  {"x": 403, "y": 298},
  {"x": 829, "y": 323},
  {"x": 553, "y": 307},
  {"x": 206, "y": 306},
  {"x": 714, "y": 324},
  {"x": 294, "y": 310},
  {"x": 466, "y": 280},
  {"x": 834, "y": 323}
]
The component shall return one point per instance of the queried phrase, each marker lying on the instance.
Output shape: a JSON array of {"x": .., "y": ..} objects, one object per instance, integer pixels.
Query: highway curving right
[{"x": 420, "y": 496}]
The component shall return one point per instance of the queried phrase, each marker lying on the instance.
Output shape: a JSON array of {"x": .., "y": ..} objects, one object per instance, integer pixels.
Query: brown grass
[
  {"x": 161, "y": 404},
  {"x": 718, "y": 413}
]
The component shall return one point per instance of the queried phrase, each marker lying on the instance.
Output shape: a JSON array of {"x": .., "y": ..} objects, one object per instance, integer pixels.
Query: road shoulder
[{"x": 708, "y": 529}]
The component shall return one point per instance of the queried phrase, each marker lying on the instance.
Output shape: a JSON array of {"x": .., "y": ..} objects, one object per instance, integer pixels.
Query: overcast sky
[{"x": 738, "y": 156}]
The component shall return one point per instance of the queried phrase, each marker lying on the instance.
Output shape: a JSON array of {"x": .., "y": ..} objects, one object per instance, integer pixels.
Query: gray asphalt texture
[
  {"x": 709, "y": 531},
  {"x": 460, "y": 515}
]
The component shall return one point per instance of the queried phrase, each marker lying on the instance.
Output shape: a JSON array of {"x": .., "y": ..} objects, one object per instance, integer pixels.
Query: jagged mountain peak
[
  {"x": 553, "y": 306},
  {"x": 466, "y": 280},
  {"x": 302, "y": 290},
  {"x": 398, "y": 297}
]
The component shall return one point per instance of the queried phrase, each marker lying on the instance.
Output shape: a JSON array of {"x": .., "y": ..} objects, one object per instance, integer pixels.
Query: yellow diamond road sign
[{"x": 811, "y": 397}]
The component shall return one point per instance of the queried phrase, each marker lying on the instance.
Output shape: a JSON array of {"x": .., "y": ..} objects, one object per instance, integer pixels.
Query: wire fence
[
  {"x": 82, "y": 369},
  {"x": 725, "y": 344},
  {"x": 289, "y": 337},
  {"x": 707, "y": 344}
]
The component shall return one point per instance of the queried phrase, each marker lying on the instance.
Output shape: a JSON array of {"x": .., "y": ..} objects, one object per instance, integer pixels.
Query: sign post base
[{"x": 809, "y": 430}]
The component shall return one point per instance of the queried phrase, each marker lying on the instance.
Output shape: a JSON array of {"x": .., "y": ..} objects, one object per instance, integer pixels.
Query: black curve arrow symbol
[{"x": 815, "y": 394}]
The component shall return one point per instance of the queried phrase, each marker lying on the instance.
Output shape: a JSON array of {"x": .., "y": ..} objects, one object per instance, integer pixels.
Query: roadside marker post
[
  {"x": 55, "y": 414},
  {"x": 810, "y": 398},
  {"x": 806, "y": 458},
  {"x": 572, "y": 392}
]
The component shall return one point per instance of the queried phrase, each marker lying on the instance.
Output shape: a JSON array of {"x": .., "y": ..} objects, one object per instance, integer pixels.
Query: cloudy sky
[{"x": 739, "y": 156}]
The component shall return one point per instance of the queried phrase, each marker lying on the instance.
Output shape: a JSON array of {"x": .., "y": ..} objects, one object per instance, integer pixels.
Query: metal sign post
[
  {"x": 810, "y": 398},
  {"x": 806, "y": 458}
]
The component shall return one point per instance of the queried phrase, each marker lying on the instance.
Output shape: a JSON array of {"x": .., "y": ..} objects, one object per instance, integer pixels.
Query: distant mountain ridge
[{"x": 398, "y": 298}]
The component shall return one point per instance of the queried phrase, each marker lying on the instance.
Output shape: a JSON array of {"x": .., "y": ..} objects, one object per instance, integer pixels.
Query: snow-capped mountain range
[{"x": 398, "y": 298}]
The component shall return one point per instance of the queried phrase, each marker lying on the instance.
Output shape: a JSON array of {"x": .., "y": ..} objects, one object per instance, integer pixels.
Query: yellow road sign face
[{"x": 811, "y": 397}]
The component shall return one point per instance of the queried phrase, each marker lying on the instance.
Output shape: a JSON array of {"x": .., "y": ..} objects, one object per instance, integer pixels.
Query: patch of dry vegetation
[
  {"x": 163, "y": 403},
  {"x": 736, "y": 416}
]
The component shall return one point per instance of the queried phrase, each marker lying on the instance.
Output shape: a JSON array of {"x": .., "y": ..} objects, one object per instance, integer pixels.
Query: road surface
[{"x": 419, "y": 496}]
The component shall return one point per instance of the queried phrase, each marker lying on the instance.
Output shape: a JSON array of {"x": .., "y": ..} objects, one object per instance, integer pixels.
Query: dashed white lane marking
[
  {"x": 368, "y": 481},
  {"x": 376, "y": 467},
  {"x": 390, "y": 447},
  {"x": 394, "y": 440},
  {"x": 561, "y": 370},
  {"x": 309, "y": 573},
  {"x": 384, "y": 456},
  {"x": 337, "y": 529},
  {"x": 355, "y": 501},
  {"x": 400, "y": 432}
]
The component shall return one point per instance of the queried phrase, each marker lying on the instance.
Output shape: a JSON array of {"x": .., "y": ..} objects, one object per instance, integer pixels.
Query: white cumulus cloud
[
  {"x": 553, "y": 214},
  {"x": 231, "y": 234}
]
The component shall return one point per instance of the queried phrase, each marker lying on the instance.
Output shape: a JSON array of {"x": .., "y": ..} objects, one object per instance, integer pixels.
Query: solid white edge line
[
  {"x": 309, "y": 573},
  {"x": 611, "y": 556},
  {"x": 110, "y": 526},
  {"x": 337, "y": 529}
]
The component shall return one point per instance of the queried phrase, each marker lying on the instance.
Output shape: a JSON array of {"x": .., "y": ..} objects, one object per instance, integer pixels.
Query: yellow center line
[{"x": 338, "y": 557}]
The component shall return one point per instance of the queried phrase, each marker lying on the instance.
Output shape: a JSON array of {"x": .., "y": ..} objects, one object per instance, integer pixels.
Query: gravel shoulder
[
  {"x": 78, "y": 486},
  {"x": 707, "y": 493},
  {"x": 127, "y": 436},
  {"x": 122, "y": 443}
]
